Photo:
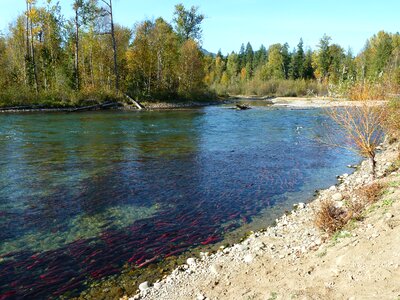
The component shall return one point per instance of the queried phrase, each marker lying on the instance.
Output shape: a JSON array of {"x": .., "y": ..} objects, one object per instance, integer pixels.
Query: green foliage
[
  {"x": 387, "y": 202},
  {"x": 297, "y": 65},
  {"x": 46, "y": 60},
  {"x": 275, "y": 67},
  {"x": 188, "y": 23},
  {"x": 341, "y": 234}
]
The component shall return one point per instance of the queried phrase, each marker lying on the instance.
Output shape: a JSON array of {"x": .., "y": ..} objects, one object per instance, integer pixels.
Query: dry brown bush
[
  {"x": 331, "y": 218},
  {"x": 356, "y": 207},
  {"x": 392, "y": 121},
  {"x": 370, "y": 193},
  {"x": 362, "y": 91},
  {"x": 364, "y": 128}
]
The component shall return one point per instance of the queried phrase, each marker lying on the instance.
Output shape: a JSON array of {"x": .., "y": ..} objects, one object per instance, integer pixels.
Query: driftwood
[
  {"x": 242, "y": 106},
  {"x": 134, "y": 102},
  {"x": 106, "y": 105}
]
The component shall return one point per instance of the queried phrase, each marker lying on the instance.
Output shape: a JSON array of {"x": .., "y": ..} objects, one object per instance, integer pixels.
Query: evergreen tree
[
  {"x": 260, "y": 57},
  {"x": 242, "y": 57},
  {"x": 286, "y": 59},
  {"x": 308, "y": 70},
  {"x": 322, "y": 58},
  {"x": 297, "y": 64}
]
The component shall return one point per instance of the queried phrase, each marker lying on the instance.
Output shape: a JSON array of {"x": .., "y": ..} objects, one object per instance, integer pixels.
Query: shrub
[
  {"x": 361, "y": 91},
  {"x": 392, "y": 123},
  {"x": 370, "y": 193},
  {"x": 331, "y": 218}
]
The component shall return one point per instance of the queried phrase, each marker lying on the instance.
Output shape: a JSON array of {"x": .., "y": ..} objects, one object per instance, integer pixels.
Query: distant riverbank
[{"x": 291, "y": 102}]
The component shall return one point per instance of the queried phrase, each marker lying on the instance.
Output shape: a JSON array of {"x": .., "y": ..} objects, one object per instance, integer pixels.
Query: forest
[{"x": 50, "y": 60}]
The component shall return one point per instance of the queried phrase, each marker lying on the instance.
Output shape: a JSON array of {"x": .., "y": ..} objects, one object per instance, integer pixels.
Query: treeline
[
  {"x": 329, "y": 69},
  {"x": 47, "y": 59}
]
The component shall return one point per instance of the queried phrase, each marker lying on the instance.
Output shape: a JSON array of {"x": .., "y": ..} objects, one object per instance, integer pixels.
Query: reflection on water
[{"x": 83, "y": 194}]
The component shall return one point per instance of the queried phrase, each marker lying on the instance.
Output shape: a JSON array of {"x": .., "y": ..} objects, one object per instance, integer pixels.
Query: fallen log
[
  {"x": 242, "y": 106},
  {"x": 106, "y": 105},
  {"x": 136, "y": 103}
]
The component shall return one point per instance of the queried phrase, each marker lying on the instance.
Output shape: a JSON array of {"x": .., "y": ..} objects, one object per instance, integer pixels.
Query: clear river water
[{"x": 83, "y": 194}]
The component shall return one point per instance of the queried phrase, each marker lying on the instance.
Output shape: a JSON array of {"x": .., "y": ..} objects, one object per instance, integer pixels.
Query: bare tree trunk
[
  {"x": 76, "y": 62},
  {"x": 27, "y": 53},
  {"x": 116, "y": 73},
  {"x": 32, "y": 49},
  {"x": 372, "y": 163}
]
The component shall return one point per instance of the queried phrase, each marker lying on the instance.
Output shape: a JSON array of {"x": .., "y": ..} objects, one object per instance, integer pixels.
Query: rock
[
  {"x": 200, "y": 297},
  {"x": 389, "y": 215},
  {"x": 191, "y": 261},
  {"x": 248, "y": 258},
  {"x": 339, "y": 204},
  {"x": 144, "y": 286},
  {"x": 337, "y": 197},
  {"x": 215, "y": 269},
  {"x": 333, "y": 188},
  {"x": 157, "y": 285},
  {"x": 240, "y": 247}
]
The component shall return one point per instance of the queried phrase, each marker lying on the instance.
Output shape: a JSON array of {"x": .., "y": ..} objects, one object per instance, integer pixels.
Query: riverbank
[
  {"x": 306, "y": 102},
  {"x": 114, "y": 106},
  {"x": 289, "y": 102},
  {"x": 295, "y": 260}
]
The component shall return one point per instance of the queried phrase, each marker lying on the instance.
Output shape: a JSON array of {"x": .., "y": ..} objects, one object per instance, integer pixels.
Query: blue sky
[{"x": 229, "y": 23}]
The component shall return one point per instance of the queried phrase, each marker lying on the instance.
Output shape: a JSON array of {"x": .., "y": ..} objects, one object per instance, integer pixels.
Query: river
[{"x": 83, "y": 194}]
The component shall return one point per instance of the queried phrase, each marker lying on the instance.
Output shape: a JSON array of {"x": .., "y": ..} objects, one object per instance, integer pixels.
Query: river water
[{"x": 82, "y": 195}]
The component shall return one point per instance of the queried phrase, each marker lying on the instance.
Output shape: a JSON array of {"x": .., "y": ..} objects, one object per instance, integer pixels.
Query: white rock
[
  {"x": 389, "y": 215},
  {"x": 248, "y": 258},
  {"x": 301, "y": 205},
  {"x": 157, "y": 285},
  {"x": 215, "y": 269},
  {"x": 339, "y": 204},
  {"x": 200, "y": 297},
  {"x": 337, "y": 197},
  {"x": 333, "y": 188},
  {"x": 240, "y": 247},
  {"x": 144, "y": 286},
  {"x": 191, "y": 261}
]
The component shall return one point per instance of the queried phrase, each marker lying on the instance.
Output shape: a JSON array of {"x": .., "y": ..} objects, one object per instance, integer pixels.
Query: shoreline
[
  {"x": 279, "y": 252},
  {"x": 288, "y": 102}
]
